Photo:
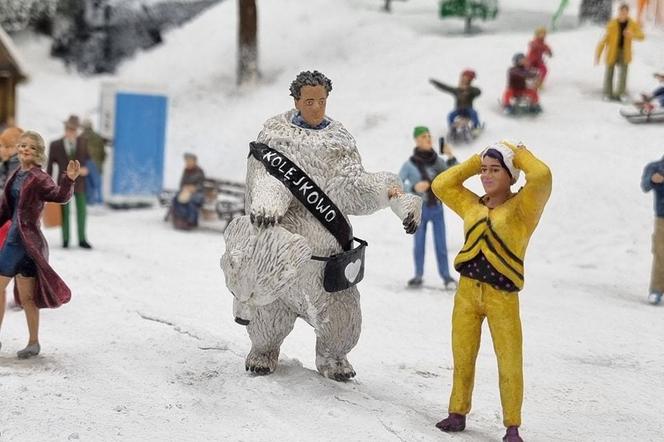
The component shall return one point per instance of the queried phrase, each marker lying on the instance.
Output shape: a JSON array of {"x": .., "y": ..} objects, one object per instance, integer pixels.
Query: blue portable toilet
[{"x": 135, "y": 119}]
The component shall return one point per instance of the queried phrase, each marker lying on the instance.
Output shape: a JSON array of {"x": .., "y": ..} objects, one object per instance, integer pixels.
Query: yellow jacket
[
  {"x": 610, "y": 41},
  {"x": 502, "y": 233}
]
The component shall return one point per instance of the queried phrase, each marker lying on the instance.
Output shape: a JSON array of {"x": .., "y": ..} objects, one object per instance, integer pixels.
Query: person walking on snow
[
  {"x": 464, "y": 95},
  {"x": 497, "y": 229},
  {"x": 653, "y": 179},
  {"x": 535, "y": 57},
  {"x": 24, "y": 255},
  {"x": 618, "y": 44},
  {"x": 417, "y": 173}
]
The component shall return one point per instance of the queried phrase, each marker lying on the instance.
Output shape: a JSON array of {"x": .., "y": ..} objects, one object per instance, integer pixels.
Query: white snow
[{"x": 147, "y": 348}]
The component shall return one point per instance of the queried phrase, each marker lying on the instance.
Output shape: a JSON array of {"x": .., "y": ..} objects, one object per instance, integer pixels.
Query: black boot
[
  {"x": 84, "y": 244},
  {"x": 415, "y": 282}
]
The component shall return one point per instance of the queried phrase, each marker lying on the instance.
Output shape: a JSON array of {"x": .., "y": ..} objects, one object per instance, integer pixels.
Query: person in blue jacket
[
  {"x": 653, "y": 179},
  {"x": 417, "y": 174},
  {"x": 657, "y": 95}
]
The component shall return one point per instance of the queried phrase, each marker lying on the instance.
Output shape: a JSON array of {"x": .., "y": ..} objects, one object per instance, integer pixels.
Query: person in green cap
[{"x": 417, "y": 174}]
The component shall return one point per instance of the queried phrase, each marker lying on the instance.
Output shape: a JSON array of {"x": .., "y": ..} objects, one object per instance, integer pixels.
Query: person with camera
[{"x": 417, "y": 174}]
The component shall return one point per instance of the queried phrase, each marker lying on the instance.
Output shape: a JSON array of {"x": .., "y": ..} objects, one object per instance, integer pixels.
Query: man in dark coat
[{"x": 61, "y": 151}]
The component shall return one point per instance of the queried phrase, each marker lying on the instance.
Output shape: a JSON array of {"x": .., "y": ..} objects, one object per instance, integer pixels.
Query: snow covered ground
[{"x": 148, "y": 350}]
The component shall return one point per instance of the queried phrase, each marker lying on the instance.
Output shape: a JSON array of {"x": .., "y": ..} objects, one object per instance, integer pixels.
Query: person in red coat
[
  {"x": 535, "y": 57},
  {"x": 24, "y": 255}
]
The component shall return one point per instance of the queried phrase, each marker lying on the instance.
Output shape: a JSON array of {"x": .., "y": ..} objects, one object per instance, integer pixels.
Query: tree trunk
[
  {"x": 388, "y": 5},
  {"x": 247, "y": 66},
  {"x": 468, "y": 25}
]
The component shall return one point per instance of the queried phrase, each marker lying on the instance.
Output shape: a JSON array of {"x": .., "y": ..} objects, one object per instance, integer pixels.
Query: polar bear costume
[{"x": 269, "y": 268}]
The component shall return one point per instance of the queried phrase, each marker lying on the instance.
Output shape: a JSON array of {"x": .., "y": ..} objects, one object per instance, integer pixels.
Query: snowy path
[{"x": 147, "y": 349}]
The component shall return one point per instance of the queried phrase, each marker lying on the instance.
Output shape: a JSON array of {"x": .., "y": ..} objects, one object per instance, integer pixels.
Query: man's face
[
  {"x": 311, "y": 104},
  {"x": 423, "y": 141},
  {"x": 623, "y": 14},
  {"x": 70, "y": 132},
  {"x": 189, "y": 163},
  {"x": 8, "y": 149}
]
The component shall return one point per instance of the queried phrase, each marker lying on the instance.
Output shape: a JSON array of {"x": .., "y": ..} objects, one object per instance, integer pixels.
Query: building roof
[{"x": 8, "y": 50}]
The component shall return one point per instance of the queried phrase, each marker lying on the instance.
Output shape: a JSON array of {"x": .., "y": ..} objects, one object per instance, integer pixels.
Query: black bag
[{"x": 343, "y": 270}]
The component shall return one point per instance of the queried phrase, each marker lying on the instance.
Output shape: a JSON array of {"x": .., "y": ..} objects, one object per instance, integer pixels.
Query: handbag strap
[{"x": 306, "y": 191}]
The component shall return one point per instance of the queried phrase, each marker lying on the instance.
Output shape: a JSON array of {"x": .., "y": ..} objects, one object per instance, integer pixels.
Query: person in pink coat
[{"x": 24, "y": 255}]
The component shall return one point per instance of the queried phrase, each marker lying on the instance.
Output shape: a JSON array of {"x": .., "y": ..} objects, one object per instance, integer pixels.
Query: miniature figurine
[
  {"x": 417, "y": 174},
  {"x": 72, "y": 147},
  {"x": 618, "y": 44},
  {"x": 653, "y": 179},
  {"x": 24, "y": 255},
  {"x": 463, "y": 121},
  {"x": 535, "y": 58},
  {"x": 293, "y": 255},
  {"x": 521, "y": 94},
  {"x": 497, "y": 228}
]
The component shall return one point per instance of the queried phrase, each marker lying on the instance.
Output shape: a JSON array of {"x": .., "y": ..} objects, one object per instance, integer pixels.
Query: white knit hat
[{"x": 508, "y": 158}]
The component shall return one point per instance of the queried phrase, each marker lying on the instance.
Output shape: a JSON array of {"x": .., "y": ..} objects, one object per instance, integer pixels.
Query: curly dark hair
[{"x": 308, "y": 78}]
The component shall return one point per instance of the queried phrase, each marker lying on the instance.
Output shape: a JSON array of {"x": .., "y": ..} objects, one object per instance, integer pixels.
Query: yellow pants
[{"x": 475, "y": 300}]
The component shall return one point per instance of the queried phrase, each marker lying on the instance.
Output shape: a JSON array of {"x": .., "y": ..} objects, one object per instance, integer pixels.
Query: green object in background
[
  {"x": 469, "y": 9},
  {"x": 484, "y": 9},
  {"x": 81, "y": 213},
  {"x": 558, "y": 13}
]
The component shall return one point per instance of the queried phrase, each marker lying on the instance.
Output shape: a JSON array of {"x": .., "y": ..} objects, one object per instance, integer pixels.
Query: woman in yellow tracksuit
[{"x": 497, "y": 229}]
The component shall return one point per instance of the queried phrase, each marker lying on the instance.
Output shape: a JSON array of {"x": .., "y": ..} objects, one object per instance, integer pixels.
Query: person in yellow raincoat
[
  {"x": 618, "y": 44},
  {"x": 497, "y": 229}
]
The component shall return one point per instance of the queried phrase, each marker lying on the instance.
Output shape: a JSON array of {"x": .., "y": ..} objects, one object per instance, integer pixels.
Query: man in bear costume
[{"x": 268, "y": 262}]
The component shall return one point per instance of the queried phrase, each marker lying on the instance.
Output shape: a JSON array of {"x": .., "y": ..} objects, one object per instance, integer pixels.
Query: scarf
[{"x": 421, "y": 159}]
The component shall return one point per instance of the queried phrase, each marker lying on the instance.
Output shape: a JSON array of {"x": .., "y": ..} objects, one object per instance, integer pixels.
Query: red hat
[{"x": 469, "y": 73}]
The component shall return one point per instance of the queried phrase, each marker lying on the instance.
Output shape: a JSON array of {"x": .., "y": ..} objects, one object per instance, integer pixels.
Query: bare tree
[{"x": 247, "y": 66}]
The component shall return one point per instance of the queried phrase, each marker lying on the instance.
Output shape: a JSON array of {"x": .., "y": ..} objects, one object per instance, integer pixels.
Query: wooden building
[{"x": 12, "y": 72}]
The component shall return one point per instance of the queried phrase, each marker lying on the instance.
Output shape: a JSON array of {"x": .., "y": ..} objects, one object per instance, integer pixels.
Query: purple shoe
[
  {"x": 452, "y": 423},
  {"x": 512, "y": 435}
]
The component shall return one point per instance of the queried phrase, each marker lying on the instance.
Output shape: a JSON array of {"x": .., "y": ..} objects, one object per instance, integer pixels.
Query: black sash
[{"x": 343, "y": 270}]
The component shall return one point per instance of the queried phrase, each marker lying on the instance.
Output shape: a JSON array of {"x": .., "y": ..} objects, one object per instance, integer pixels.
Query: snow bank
[{"x": 147, "y": 349}]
